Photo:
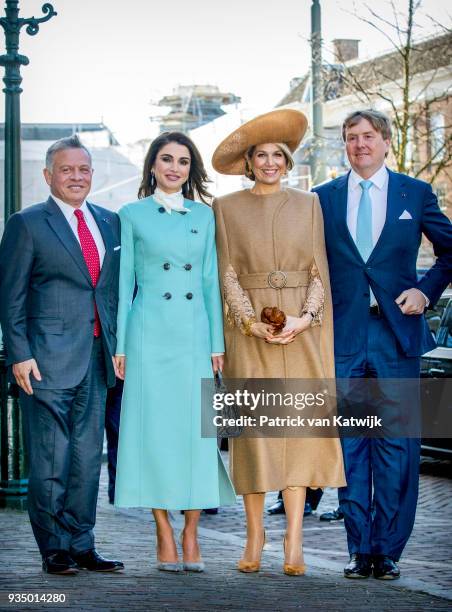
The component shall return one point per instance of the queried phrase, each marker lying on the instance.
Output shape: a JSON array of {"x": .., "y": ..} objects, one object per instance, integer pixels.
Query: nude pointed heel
[
  {"x": 291, "y": 569},
  {"x": 168, "y": 566},
  {"x": 249, "y": 567},
  {"x": 192, "y": 566}
]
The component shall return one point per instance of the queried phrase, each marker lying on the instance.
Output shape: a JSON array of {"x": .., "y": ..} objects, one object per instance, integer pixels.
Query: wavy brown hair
[{"x": 195, "y": 186}]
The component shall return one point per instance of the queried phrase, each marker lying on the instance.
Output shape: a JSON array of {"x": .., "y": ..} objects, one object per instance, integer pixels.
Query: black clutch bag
[{"x": 227, "y": 430}]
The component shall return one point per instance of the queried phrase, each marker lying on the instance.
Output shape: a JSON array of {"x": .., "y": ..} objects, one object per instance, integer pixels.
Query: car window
[
  {"x": 434, "y": 315},
  {"x": 444, "y": 335}
]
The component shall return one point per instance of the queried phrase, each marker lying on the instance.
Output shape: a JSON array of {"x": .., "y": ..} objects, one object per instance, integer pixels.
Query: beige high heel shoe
[
  {"x": 249, "y": 567},
  {"x": 292, "y": 569}
]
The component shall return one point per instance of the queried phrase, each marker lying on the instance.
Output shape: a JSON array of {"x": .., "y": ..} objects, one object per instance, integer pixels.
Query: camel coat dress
[{"x": 258, "y": 234}]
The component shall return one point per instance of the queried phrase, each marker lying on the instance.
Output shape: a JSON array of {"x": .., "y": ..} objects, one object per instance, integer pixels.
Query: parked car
[
  {"x": 434, "y": 315},
  {"x": 437, "y": 364}
]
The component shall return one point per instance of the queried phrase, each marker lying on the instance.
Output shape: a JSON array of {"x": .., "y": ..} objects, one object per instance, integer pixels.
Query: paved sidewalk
[{"x": 130, "y": 535}]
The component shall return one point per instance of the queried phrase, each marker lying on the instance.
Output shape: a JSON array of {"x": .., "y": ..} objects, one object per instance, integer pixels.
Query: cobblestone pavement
[{"x": 426, "y": 583}]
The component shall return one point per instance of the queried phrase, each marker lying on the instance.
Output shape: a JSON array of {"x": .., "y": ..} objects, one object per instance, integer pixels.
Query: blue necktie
[{"x": 364, "y": 240}]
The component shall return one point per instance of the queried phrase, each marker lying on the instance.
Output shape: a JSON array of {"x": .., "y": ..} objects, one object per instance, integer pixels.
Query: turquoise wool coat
[{"x": 168, "y": 334}]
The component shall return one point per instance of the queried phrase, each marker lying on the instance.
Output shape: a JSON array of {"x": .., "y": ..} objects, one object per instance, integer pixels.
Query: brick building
[{"x": 352, "y": 83}]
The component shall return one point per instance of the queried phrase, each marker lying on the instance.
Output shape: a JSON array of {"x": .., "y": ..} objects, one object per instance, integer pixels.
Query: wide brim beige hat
[{"x": 284, "y": 125}]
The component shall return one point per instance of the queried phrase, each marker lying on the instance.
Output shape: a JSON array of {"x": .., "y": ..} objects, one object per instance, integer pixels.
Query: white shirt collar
[
  {"x": 170, "y": 201},
  {"x": 67, "y": 209},
  {"x": 379, "y": 179}
]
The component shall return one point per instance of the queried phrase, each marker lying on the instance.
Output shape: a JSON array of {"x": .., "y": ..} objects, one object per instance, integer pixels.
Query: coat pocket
[{"x": 46, "y": 325}]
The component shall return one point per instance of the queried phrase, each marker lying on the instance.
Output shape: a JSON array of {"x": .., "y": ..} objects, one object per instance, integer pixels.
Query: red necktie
[{"x": 91, "y": 255}]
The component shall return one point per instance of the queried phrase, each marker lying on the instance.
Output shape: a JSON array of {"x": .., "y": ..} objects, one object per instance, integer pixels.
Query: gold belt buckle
[{"x": 277, "y": 279}]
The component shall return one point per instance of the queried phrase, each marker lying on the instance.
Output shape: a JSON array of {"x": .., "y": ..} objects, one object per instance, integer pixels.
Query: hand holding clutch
[{"x": 274, "y": 316}]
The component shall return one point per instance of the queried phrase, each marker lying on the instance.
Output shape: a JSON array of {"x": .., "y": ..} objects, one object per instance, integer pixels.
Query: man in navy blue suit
[
  {"x": 374, "y": 220},
  {"x": 59, "y": 269}
]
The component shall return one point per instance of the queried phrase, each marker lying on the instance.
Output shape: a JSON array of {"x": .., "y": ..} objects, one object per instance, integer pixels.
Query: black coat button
[
  {"x": 166, "y": 266},
  {"x": 161, "y": 209},
  {"x": 194, "y": 231},
  {"x": 187, "y": 267},
  {"x": 189, "y": 296},
  {"x": 167, "y": 295}
]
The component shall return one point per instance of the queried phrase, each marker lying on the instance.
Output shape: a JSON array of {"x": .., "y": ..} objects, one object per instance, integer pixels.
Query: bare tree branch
[
  {"x": 395, "y": 25},
  {"x": 396, "y": 17}
]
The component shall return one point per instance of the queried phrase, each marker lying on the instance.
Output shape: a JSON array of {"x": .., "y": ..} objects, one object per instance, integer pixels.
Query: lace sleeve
[
  {"x": 315, "y": 297},
  {"x": 239, "y": 310}
]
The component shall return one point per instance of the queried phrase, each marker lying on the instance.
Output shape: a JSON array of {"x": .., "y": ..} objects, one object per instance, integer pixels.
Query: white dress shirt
[
  {"x": 379, "y": 199},
  {"x": 68, "y": 212}
]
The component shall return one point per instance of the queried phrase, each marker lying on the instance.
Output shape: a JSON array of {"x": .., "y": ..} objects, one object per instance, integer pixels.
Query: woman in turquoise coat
[{"x": 168, "y": 338}]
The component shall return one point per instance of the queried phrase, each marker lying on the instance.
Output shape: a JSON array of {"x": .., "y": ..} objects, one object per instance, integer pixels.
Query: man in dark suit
[
  {"x": 374, "y": 220},
  {"x": 112, "y": 421},
  {"x": 59, "y": 265}
]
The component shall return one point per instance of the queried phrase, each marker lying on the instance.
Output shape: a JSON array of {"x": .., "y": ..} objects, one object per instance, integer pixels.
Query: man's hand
[
  {"x": 120, "y": 366},
  {"x": 411, "y": 302},
  {"x": 22, "y": 372}
]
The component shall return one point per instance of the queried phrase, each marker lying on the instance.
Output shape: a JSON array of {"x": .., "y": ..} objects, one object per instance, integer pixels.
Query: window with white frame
[{"x": 437, "y": 136}]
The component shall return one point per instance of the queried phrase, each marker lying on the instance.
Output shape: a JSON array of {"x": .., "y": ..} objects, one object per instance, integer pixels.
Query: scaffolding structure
[{"x": 192, "y": 106}]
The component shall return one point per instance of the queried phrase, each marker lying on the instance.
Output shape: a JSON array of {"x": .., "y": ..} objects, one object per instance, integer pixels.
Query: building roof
[
  {"x": 429, "y": 54},
  {"x": 55, "y": 131}
]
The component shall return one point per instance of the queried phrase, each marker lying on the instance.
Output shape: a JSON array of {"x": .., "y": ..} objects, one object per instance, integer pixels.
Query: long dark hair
[{"x": 197, "y": 179}]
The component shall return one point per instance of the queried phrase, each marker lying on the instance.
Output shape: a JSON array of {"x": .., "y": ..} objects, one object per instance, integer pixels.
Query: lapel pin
[{"x": 403, "y": 195}]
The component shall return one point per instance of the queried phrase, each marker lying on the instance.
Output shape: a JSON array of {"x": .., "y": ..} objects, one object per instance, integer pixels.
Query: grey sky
[{"x": 107, "y": 59}]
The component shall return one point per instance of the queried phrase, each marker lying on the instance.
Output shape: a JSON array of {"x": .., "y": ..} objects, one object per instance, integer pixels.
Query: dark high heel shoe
[
  {"x": 292, "y": 569},
  {"x": 249, "y": 567}
]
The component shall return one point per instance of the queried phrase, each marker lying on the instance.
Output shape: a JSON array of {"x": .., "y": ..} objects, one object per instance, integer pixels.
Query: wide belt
[{"x": 278, "y": 279}]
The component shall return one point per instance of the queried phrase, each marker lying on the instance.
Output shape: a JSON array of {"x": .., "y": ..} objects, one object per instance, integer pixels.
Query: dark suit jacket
[
  {"x": 47, "y": 297},
  {"x": 391, "y": 267}
]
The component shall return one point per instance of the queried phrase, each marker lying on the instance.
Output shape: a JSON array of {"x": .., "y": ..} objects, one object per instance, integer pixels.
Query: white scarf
[{"x": 170, "y": 201}]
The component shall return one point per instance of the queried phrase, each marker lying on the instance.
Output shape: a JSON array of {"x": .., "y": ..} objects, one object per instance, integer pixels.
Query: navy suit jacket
[
  {"x": 47, "y": 296},
  {"x": 391, "y": 267}
]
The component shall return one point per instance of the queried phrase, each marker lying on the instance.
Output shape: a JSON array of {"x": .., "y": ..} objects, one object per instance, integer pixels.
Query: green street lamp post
[
  {"x": 318, "y": 153},
  {"x": 13, "y": 482}
]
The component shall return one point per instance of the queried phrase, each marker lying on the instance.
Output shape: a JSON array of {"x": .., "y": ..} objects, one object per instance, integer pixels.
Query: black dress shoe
[
  {"x": 334, "y": 515},
  {"x": 385, "y": 568},
  {"x": 59, "y": 562},
  {"x": 91, "y": 560},
  {"x": 359, "y": 566},
  {"x": 307, "y": 509},
  {"x": 277, "y": 508}
]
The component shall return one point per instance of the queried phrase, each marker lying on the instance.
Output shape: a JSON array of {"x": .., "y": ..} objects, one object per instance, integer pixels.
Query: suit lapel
[
  {"x": 107, "y": 236},
  {"x": 339, "y": 198},
  {"x": 60, "y": 226},
  {"x": 396, "y": 202}
]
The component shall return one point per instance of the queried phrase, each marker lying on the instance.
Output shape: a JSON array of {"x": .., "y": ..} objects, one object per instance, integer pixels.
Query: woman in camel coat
[{"x": 271, "y": 252}]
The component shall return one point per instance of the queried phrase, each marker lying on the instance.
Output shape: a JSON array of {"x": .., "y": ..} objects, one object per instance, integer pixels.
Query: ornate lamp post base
[{"x": 13, "y": 458}]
